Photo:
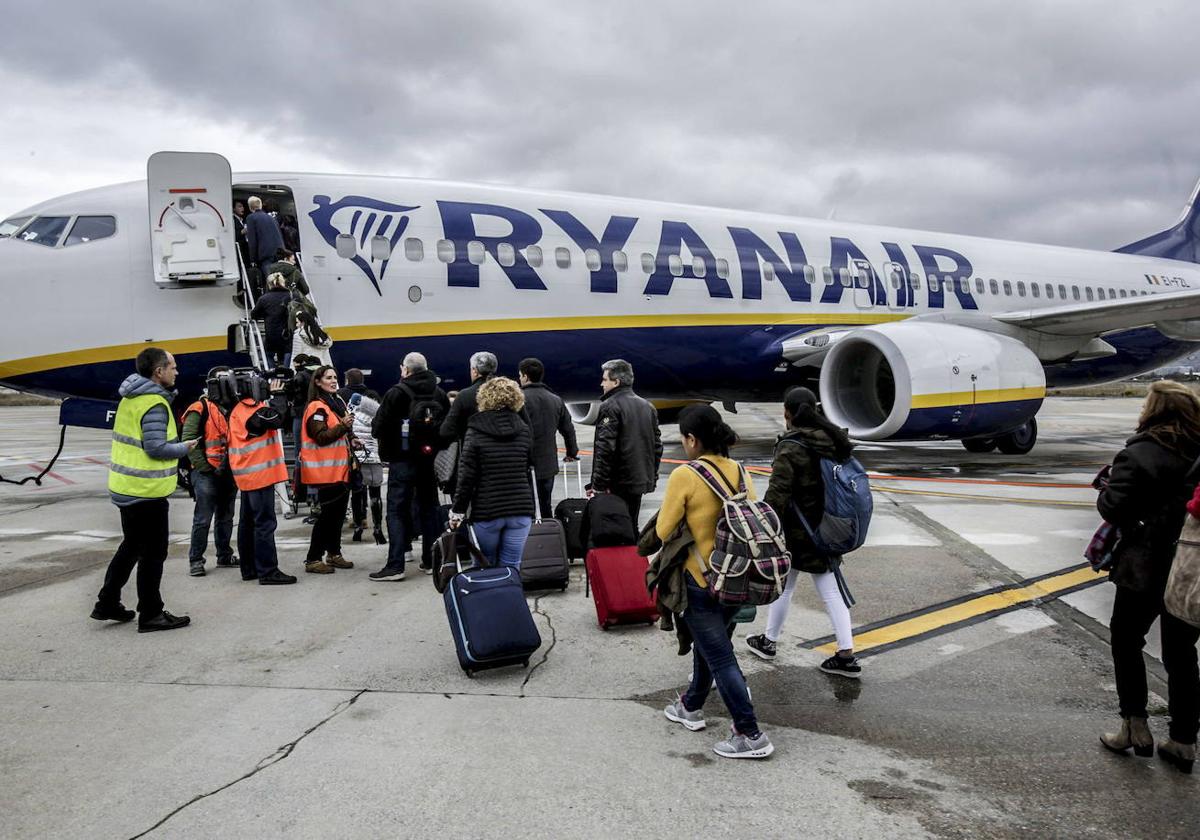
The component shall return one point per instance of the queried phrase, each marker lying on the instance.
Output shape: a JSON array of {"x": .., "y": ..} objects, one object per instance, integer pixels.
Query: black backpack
[{"x": 424, "y": 424}]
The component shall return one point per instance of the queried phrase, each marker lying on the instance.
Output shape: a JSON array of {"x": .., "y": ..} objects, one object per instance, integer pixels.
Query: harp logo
[{"x": 357, "y": 220}]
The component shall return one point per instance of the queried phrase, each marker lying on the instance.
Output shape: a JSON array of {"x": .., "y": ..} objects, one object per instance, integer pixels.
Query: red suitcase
[{"x": 617, "y": 579}]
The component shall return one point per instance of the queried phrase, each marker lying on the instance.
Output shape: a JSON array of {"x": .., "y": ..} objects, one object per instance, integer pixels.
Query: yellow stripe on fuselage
[
  {"x": 977, "y": 397},
  {"x": 366, "y": 332}
]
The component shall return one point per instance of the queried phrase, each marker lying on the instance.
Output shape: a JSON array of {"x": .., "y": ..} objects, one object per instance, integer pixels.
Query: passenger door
[{"x": 191, "y": 219}]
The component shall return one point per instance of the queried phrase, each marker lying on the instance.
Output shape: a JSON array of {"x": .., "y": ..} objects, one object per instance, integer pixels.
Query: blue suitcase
[{"x": 489, "y": 619}]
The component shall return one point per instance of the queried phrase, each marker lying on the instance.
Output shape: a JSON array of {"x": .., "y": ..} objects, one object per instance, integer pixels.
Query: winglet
[{"x": 1181, "y": 242}]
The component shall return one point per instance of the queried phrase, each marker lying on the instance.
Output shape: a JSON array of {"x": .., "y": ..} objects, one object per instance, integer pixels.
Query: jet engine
[{"x": 913, "y": 380}]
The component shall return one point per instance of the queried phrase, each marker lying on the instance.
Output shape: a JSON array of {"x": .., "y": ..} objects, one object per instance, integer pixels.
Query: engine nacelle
[{"x": 912, "y": 380}]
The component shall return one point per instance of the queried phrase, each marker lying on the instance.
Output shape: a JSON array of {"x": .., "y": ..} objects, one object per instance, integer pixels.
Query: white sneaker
[
  {"x": 691, "y": 720},
  {"x": 739, "y": 746}
]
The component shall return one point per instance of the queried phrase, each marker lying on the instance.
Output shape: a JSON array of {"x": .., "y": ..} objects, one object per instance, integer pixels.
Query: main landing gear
[{"x": 1017, "y": 442}]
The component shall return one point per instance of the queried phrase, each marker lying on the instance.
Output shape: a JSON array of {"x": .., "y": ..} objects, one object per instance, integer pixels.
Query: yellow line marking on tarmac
[
  {"x": 981, "y": 498},
  {"x": 917, "y": 625}
]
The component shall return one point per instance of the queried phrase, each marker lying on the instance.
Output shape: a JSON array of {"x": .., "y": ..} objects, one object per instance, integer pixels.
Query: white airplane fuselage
[{"x": 702, "y": 301}]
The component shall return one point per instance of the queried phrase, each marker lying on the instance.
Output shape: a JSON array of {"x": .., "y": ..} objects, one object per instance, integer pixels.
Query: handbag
[
  {"x": 1182, "y": 598},
  {"x": 445, "y": 466}
]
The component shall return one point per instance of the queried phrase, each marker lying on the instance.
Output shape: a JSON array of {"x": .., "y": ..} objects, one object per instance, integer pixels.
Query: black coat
[
  {"x": 548, "y": 415},
  {"x": 1146, "y": 498},
  {"x": 493, "y": 470},
  {"x": 272, "y": 307},
  {"x": 464, "y": 407},
  {"x": 628, "y": 445},
  {"x": 796, "y": 477},
  {"x": 396, "y": 407}
]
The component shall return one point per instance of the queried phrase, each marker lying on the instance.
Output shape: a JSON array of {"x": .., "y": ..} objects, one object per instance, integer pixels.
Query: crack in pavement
[
  {"x": 537, "y": 608},
  {"x": 282, "y": 752}
]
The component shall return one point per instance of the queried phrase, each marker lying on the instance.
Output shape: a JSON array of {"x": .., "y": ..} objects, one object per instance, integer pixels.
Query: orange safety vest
[
  {"x": 329, "y": 464},
  {"x": 257, "y": 461},
  {"x": 215, "y": 431},
  {"x": 216, "y": 437}
]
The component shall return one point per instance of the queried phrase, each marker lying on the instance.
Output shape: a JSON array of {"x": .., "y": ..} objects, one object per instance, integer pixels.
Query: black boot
[
  {"x": 358, "y": 532},
  {"x": 377, "y": 518}
]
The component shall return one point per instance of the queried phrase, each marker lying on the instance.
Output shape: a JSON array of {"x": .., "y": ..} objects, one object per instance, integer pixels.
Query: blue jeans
[
  {"x": 713, "y": 656},
  {"x": 502, "y": 541},
  {"x": 215, "y": 496},
  {"x": 405, "y": 484},
  {"x": 256, "y": 532}
]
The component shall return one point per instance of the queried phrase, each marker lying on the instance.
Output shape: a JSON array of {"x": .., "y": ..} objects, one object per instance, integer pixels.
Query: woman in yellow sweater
[{"x": 707, "y": 437}]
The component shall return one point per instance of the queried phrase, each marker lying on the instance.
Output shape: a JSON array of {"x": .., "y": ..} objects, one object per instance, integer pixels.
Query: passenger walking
[
  {"x": 628, "y": 445},
  {"x": 286, "y": 264},
  {"x": 690, "y": 500},
  {"x": 547, "y": 414},
  {"x": 408, "y": 428},
  {"x": 796, "y": 483},
  {"x": 142, "y": 473},
  {"x": 1149, "y": 486},
  {"x": 483, "y": 367},
  {"x": 325, "y": 464},
  {"x": 212, "y": 483},
  {"x": 493, "y": 478},
  {"x": 262, "y": 235},
  {"x": 370, "y": 468},
  {"x": 257, "y": 462},
  {"x": 272, "y": 308}
]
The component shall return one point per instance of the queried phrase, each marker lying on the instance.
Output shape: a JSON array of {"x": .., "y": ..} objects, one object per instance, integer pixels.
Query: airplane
[{"x": 906, "y": 334}]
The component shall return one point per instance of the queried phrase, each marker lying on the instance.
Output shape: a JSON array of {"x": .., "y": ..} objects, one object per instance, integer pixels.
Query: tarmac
[{"x": 335, "y": 708}]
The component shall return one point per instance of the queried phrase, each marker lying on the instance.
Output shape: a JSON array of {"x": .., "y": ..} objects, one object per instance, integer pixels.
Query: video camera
[{"x": 256, "y": 385}]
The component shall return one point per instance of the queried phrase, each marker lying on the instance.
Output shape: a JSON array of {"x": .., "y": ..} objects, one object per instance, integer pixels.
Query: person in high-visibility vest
[
  {"x": 325, "y": 443},
  {"x": 257, "y": 463},
  {"x": 142, "y": 473},
  {"x": 212, "y": 482}
]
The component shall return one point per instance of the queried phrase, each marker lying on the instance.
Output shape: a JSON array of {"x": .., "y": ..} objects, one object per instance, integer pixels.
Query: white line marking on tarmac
[
  {"x": 20, "y": 532},
  {"x": 73, "y": 538},
  {"x": 1074, "y": 533}
]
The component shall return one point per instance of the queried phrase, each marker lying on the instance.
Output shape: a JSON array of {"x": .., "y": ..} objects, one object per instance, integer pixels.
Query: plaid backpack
[{"x": 750, "y": 562}]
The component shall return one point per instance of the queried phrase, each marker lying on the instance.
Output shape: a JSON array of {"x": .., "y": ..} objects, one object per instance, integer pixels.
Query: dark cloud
[{"x": 1062, "y": 122}]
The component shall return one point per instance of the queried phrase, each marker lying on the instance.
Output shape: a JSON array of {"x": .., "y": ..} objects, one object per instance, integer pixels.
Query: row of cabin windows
[
  {"x": 49, "y": 230},
  {"x": 506, "y": 255}
]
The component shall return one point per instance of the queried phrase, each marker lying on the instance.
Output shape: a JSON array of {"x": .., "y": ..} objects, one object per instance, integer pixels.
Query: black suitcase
[
  {"x": 544, "y": 563},
  {"x": 570, "y": 513}
]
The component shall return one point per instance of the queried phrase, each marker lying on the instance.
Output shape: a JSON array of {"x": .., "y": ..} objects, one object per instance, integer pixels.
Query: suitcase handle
[
  {"x": 579, "y": 475},
  {"x": 537, "y": 507}
]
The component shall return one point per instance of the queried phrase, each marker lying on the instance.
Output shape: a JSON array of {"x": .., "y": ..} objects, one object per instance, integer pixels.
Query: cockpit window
[
  {"x": 10, "y": 226},
  {"x": 45, "y": 230},
  {"x": 91, "y": 228}
]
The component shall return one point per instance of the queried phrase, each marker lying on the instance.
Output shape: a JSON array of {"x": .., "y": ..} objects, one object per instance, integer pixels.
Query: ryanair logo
[
  {"x": 360, "y": 219},
  {"x": 1161, "y": 280}
]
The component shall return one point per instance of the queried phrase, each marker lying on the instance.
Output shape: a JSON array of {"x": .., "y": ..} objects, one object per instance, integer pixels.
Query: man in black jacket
[
  {"x": 628, "y": 445},
  {"x": 547, "y": 414},
  {"x": 408, "y": 449}
]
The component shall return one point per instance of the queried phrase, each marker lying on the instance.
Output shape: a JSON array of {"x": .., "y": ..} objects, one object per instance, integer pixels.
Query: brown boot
[
  {"x": 1183, "y": 756},
  {"x": 338, "y": 561},
  {"x": 317, "y": 567},
  {"x": 1133, "y": 733}
]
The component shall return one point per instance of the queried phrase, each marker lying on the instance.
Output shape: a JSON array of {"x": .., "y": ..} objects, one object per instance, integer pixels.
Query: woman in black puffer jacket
[
  {"x": 1149, "y": 487},
  {"x": 493, "y": 474}
]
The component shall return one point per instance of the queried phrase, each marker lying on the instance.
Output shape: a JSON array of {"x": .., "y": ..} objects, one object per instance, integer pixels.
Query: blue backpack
[{"x": 848, "y": 506}]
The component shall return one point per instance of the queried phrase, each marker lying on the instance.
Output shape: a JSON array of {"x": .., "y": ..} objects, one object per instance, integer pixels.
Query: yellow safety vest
[{"x": 131, "y": 472}]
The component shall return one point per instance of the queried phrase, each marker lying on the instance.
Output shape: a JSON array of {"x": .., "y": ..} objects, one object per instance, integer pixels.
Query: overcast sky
[{"x": 1061, "y": 122}]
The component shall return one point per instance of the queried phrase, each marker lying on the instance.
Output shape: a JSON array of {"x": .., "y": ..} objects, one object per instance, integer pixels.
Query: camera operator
[
  {"x": 257, "y": 462},
  {"x": 212, "y": 483}
]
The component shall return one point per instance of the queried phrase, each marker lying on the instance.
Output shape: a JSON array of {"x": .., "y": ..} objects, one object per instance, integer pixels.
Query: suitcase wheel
[
  {"x": 525, "y": 664},
  {"x": 470, "y": 674},
  {"x": 604, "y": 627}
]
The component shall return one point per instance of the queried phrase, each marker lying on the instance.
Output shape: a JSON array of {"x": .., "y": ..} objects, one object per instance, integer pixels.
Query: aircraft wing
[{"x": 1098, "y": 317}]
